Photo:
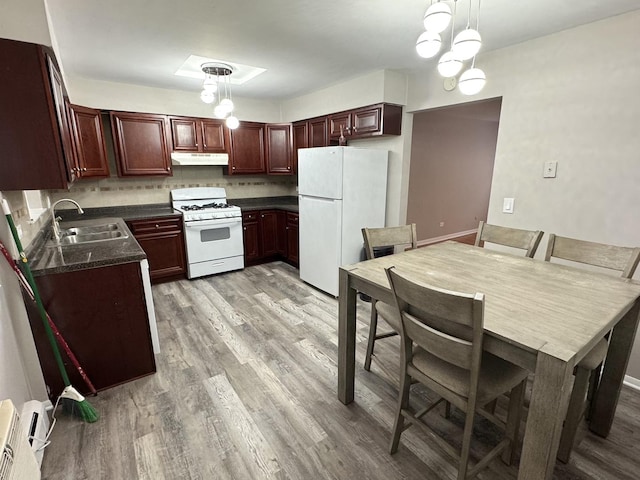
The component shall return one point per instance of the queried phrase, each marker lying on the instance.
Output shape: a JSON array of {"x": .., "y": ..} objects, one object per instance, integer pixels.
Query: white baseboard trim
[
  {"x": 632, "y": 382},
  {"x": 443, "y": 238}
]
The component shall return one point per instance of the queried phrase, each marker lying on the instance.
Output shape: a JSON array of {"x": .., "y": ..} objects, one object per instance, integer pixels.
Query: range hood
[{"x": 184, "y": 158}]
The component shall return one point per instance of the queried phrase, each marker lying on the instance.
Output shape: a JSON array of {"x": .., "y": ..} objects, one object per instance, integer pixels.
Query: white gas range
[{"x": 212, "y": 228}]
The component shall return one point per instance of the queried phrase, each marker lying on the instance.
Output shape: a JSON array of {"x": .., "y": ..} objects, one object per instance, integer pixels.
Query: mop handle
[{"x": 63, "y": 343}]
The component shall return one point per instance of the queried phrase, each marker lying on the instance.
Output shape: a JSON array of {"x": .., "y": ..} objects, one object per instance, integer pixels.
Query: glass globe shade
[
  {"x": 467, "y": 43},
  {"x": 428, "y": 44},
  {"x": 220, "y": 112},
  {"x": 207, "y": 96},
  {"x": 437, "y": 17},
  {"x": 227, "y": 104},
  {"x": 233, "y": 122},
  {"x": 449, "y": 65},
  {"x": 472, "y": 81},
  {"x": 210, "y": 84}
]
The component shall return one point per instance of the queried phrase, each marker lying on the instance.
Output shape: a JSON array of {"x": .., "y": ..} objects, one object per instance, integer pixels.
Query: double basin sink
[{"x": 91, "y": 231}]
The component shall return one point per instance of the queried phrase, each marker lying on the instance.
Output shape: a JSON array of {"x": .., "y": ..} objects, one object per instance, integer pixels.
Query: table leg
[
  {"x": 605, "y": 400},
  {"x": 547, "y": 410},
  {"x": 346, "y": 338}
]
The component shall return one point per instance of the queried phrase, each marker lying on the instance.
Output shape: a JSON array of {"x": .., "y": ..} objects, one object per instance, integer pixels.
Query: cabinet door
[
  {"x": 247, "y": 149},
  {"x": 269, "y": 232},
  {"x": 31, "y": 155},
  {"x": 61, "y": 109},
  {"x": 251, "y": 237},
  {"x": 340, "y": 120},
  {"x": 140, "y": 142},
  {"x": 281, "y": 241},
  {"x": 88, "y": 139},
  {"x": 162, "y": 240},
  {"x": 278, "y": 151},
  {"x": 213, "y": 136},
  {"x": 292, "y": 238},
  {"x": 318, "y": 132},
  {"x": 367, "y": 120},
  {"x": 184, "y": 134},
  {"x": 300, "y": 140}
]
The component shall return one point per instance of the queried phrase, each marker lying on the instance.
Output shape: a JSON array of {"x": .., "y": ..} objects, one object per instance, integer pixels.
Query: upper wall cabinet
[
  {"x": 247, "y": 149},
  {"x": 88, "y": 140},
  {"x": 35, "y": 139},
  {"x": 140, "y": 143},
  {"x": 381, "y": 119},
  {"x": 279, "y": 149},
  {"x": 198, "y": 135}
]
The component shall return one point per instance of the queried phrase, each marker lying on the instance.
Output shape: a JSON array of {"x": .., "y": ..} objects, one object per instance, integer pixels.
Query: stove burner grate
[{"x": 206, "y": 205}]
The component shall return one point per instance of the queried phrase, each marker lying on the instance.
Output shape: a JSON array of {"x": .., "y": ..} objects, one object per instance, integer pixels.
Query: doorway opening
[{"x": 452, "y": 154}]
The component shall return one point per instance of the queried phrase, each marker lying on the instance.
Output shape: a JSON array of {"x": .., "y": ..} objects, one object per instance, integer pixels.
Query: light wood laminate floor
[{"x": 246, "y": 389}]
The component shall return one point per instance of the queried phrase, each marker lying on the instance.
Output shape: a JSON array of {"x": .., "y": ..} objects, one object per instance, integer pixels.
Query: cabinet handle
[
  {"x": 157, "y": 226},
  {"x": 233, "y": 168},
  {"x": 355, "y": 129},
  {"x": 84, "y": 169},
  {"x": 288, "y": 168},
  {"x": 262, "y": 216},
  {"x": 168, "y": 169},
  {"x": 244, "y": 228}
]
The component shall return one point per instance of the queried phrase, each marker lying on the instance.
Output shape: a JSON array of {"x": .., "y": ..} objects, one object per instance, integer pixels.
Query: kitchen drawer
[
  {"x": 292, "y": 218},
  {"x": 250, "y": 216},
  {"x": 156, "y": 225}
]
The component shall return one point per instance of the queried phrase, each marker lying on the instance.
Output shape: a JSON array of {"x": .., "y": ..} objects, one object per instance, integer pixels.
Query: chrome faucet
[{"x": 56, "y": 226}]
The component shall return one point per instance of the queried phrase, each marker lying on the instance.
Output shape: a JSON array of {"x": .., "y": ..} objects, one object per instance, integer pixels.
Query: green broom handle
[{"x": 36, "y": 294}]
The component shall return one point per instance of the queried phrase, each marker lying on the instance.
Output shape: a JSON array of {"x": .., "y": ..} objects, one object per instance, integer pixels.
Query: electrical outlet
[
  {"x": 550, "y": 169},
  {"x": 442, "y": 224}
]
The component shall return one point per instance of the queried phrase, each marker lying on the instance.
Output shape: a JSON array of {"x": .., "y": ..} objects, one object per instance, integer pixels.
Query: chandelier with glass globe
[
  {"x": 216, "y": 90},
  {"x": 464, "y": 46}
]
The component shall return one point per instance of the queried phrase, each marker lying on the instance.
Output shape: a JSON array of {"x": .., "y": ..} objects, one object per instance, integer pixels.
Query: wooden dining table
[{"x": 542, "y": 316}]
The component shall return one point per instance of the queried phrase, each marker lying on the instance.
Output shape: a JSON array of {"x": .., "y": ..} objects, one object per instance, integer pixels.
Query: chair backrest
[
  {"x": 446, "y": 324},
  {"x": 622, "y": 259},
  {"x": 389, "y": 237},
  {"x": 527, "y": 240}
]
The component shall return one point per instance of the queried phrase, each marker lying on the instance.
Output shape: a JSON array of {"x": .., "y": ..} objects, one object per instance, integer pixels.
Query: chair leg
[
  {"x": 466, "y": 443},
  {"x": 373, "y": 326},
  {"x": 514, "y": 419},
  {"x": 574, "y": 413},
  {"x": 403, "y": 403}
]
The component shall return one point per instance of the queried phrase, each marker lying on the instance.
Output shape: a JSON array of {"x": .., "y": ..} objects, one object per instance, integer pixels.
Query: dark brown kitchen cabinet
[
  {"x": 268, "y": 222},
  {"x": 300, "y": 140},
  {"x": 291, "y": 230},
  {"x": 102, "y": 314},
  {"x": 162, "y": 240},
  {"x": 140, "y": 143},
  {"x": 35, "y": 138},
  {"x": 247, "y": 149},
  {"x": 281, "y": 241},
  {"x": 198, "y": 135},
  {"x": 374, "y": 120},
  {"x": 318, "y": 132},
  {"x": 251, "y": 236},
  {"x": 88, "y": 140},
  {"x": 279, "y": 149}
]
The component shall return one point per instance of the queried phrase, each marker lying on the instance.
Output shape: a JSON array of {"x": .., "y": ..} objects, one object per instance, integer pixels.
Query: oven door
[{"x": 213, "y": 239}]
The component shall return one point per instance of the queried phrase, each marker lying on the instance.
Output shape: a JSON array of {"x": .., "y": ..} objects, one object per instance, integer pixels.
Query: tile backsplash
[{"x": 132, "y": 191}]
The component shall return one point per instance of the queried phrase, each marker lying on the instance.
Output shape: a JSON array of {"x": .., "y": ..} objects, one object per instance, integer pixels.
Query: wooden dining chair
[
  {"x": 447, "y": 329},
  {"x": 376, "y": 238},
  {"x": 587, "y": 372},
  {"x": 527, "y": 240}
]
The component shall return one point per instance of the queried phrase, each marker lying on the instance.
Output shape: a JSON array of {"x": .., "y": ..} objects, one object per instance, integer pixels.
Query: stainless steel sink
[
  {"x": 91, "y": 237},
  {"x": 91, "y": 231}
]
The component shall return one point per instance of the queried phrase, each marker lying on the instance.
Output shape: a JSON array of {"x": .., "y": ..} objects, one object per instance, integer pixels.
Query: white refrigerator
[{"x": 341, "y": 190}]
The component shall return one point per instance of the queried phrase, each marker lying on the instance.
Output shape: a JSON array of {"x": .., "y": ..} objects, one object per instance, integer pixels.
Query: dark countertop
[
  {"x": 126, "y": 212},
  {"x": 45, "y": 258},
  {"x": 290, "y": 204}
]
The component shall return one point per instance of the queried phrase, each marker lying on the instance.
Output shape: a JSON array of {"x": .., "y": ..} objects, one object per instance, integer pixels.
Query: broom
[{"x": 83, "y": 408}]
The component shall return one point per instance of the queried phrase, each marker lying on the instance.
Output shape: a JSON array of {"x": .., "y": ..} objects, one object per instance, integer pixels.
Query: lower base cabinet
[
  {"x": 270, "y": 235},
  {"x": 162, "y": 240},
  {"x": 102, "y": 315}
]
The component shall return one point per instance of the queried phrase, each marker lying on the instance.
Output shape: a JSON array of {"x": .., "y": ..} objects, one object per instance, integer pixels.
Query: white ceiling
[{"x": 304, "y": 44}]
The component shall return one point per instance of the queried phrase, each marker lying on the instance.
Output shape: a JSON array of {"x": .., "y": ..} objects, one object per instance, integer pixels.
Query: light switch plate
[
  {"x": 550, "y": 169},
  {"x": 507, "y": 205}
]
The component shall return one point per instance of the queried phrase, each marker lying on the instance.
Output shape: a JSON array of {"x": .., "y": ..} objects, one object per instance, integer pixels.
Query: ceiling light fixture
[
  {"x": 217, "y": 80},
  {"x": 464, "y": 46}
]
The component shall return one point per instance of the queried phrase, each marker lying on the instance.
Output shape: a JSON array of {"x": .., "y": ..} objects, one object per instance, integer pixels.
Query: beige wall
[
  {"x": 452, "y": 156},
  {"x": 573, "y": 98}
]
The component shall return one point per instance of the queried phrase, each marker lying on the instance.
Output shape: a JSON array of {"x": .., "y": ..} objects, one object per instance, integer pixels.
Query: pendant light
[
  {"x": 428, "y": 44},
  {"x": 472, "y": 80},
  {"x": 468, "y": 42},
  {"x": 450, "y": 64},
  {"x": 213, "y": 73},
  {"x": 437, "y": 17}
]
